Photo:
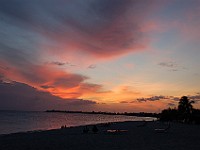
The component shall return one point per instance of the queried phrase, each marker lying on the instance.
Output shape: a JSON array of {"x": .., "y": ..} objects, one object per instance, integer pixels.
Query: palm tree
[{"x": 185, "y": 108}]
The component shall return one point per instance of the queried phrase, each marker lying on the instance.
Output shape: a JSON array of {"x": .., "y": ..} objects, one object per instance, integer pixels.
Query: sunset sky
[{"x": 102, "y": 55}]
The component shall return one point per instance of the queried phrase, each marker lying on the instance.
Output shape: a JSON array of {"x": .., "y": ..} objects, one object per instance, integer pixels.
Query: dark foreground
[{"x": 137, "y": 136}]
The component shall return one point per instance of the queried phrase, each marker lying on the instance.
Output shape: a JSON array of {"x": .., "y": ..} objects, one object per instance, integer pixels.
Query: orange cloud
[{"x": 51, "y": 79}]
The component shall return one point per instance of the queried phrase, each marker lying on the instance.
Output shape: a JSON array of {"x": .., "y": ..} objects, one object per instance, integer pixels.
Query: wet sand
[{"x": 129, "y": 136}]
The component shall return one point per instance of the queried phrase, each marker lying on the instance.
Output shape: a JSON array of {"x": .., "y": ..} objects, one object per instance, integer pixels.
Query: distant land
[{"x": 140, "y": 114}]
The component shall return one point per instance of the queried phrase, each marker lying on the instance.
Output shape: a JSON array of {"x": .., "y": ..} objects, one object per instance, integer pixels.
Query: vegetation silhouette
[
  {"x": 140, "y": 114},
  {"x": 185, "y": 112},
  {"x": 185, "y": 108}
]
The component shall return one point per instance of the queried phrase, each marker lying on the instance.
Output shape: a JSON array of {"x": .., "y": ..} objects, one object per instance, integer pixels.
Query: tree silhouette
[{"x": 185, "y": 108}]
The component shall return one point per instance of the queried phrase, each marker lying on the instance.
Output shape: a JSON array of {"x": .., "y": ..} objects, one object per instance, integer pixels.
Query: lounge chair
[
  {"x": 162, "y": 130},
  {"x": 116, "y": 131}
]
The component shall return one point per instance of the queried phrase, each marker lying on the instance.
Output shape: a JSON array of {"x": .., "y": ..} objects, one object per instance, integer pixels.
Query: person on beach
[
  {"x": 95, "y": 129},
  {"x": 85, "y": 129}
]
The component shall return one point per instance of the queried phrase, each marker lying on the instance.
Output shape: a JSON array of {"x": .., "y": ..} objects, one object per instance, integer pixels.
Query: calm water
[{"x": 14, "y": 121}]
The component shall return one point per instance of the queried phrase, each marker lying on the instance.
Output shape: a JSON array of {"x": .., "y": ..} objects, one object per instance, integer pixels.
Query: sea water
[{"x": 20, "y": 121}]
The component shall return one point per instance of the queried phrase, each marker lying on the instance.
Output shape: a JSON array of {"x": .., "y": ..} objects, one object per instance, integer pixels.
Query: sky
[{"x": 101, "y": 55}]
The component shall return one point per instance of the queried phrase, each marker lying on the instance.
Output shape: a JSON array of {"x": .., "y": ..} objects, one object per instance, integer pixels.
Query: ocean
[{"x": 21, "y": 121}]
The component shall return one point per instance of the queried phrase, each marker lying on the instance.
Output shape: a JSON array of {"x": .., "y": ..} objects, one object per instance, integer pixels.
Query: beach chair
[
  {"x": 114, "y": 131},
  {"x": 163, "y": 130}
]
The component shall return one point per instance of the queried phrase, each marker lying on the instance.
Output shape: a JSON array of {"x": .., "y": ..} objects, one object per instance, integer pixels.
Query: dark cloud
[
  {"x": 175, "y": 98},
  {"x": 168, "y": 64},
  {"x": 172, "y": 105},
  {"x": 19, "y": 96},
  {"x": 141, "y": 99},
  {"x": 46, "y": 86},
  {"x": 172, "y": 101},
  {"x": 58, "y": 63},
  {"x": 153, "y": 98},
  {"x": 172, "y": 66},
  {"x": 195, "y": 97}
]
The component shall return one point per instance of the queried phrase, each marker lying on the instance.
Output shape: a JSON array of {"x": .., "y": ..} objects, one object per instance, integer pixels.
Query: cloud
[
  {"x": 172, "y": 105},
  {"x": 56, "y": 81},
  {"x": 68, "y": 80},
  {"x": 20, "y": 96},
  {"x": 172, "y": 66},
  {"x": 58, "y": 63},
  {"x": 92, "y": 66},
  {"x": 141, "y": 99},
  {"x": 99, "y": 28},
  {"x": 153, "y": 98},
  {"x": 46, "y": 86},
  {"x": 34, "y": 32},
  {"x": 168, "y": 64},
  {"x": 194, "y": 97},
  {"x": 173, "y": 99}
]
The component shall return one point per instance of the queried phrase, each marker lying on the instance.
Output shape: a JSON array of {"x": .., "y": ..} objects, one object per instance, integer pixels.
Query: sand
[{"x": 130, "y": 136}]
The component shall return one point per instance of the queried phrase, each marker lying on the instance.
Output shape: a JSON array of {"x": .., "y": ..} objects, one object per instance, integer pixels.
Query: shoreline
[
  {"x": 75, "y": 124},
  {"x": 130, "y": 135},
  {"x": 68, "y": 127}
]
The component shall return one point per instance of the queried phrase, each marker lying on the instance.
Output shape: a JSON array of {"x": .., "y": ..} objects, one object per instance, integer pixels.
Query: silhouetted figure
[
  {"x": 95, "y": 129},
  {"x": 63, "y": 127},
  {"x": 85, "y": 129}
]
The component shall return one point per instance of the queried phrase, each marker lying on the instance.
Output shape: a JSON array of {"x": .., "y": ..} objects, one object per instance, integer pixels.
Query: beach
[{"x": 120, "y": 136}]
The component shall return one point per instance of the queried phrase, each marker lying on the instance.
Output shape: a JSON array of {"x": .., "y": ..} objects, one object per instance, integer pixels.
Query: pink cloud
[
  {"x": 53, "y": 80},
  {"x": 116, "y": 34}
]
